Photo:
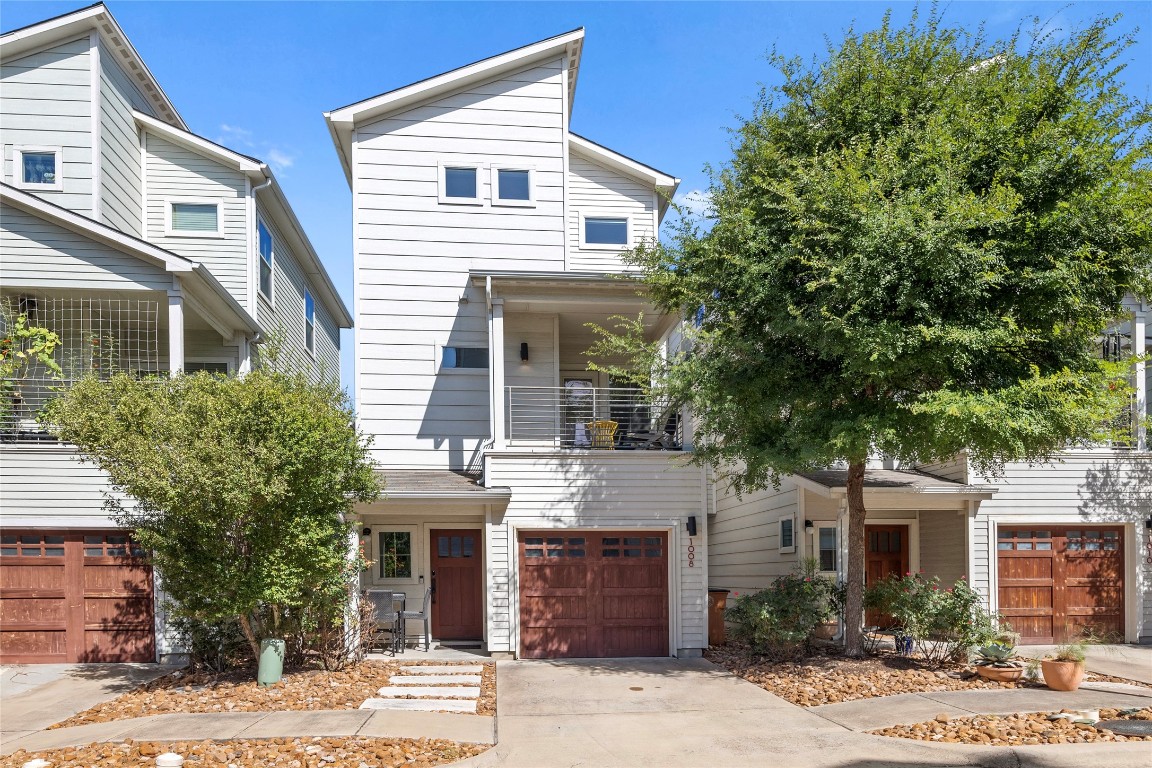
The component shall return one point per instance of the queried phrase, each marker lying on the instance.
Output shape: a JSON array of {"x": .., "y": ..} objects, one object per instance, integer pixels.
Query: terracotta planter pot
[
  {"x": 826, "y": 631},
  {"x": 1063, "y": 675},
  {"x": 1000, "y": 674}
]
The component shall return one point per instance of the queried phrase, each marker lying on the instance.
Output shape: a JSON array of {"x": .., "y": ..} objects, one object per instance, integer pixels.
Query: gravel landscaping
[
  {"x": 184, "y": 692},
  {"x": 342, "y": 752},
  {"x": 830, "y": 678},
  {"x": 1017, "y": 730}
]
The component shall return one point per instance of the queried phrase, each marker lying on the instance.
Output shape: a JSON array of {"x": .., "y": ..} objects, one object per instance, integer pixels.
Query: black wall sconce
[
  {"x": 366, "y": 532},
  {"x": 523, "y": 351},
  {"x": 1148, "y": 524},
  {"x": 692, "y": 525},
  {"x": 808, "y": 525}
]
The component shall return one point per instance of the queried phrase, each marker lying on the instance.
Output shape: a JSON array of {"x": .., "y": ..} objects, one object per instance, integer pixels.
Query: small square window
[
  {"x": 194, "y": 218},
  {"x": 36, "y": 168},
  {"x": 604, "y": 231},
  {"x": 465, "y": 357},
  {"x": 513, "y": 186},
  {"x": 787, "y": 535},
  {"x": 309, "y": 322},
  {"x": 460, "y": 184}
]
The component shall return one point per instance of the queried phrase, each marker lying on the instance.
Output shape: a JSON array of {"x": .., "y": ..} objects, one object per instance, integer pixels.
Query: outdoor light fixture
[
  {"x": 692, "y": 525},
  {"x": 523, "y": 351},
  {"x": 366, "y": 532},
  {"x": 1148, "y": 523},
  {"x": 807, "y": 525}
]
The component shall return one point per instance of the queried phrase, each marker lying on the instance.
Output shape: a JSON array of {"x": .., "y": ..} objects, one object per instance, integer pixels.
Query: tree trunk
[
  {"x": 854, "y": 600},
  {"x": 246, "y": 626}
]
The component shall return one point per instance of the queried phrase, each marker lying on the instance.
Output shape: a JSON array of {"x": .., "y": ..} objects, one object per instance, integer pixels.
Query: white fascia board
[
  {"x": 202, "y": 146},
  {"x": 812, "y": 485},
  {"x": 622, "y": 163},
  {"x": 342, "y": 121},
  {"x": 25, "y": 40},
  {"x": 218, "y": 306},
  {"x": 94, "y": 230},
  {"x": 282, "y": 214}
]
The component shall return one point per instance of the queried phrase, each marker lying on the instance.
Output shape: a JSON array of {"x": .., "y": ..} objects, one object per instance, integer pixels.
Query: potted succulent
[
  {"x": 994, "y": 662},
  {"x": 1064, "y": 669}
]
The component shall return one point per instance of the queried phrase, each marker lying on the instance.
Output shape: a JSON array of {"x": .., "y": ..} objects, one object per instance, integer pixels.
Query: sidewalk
[
  {"x": 1120, "y": 660},
  {"x": 478, "y": 729}
]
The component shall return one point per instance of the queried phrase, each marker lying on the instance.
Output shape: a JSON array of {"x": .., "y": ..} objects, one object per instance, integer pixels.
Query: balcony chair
[
  {"x": 386, "y": 618},
  {"x": 603, "y": 434},
  {"x": 424, "y": 614}
]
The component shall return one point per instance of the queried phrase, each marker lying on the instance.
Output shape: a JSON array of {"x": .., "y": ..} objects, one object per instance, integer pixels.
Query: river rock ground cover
[
  {"x": 828, "y": 677},
  {"x": 1021, "y": 729},
  {"x": 197, "y": 691},
  {"x": 342, "y": 752}
]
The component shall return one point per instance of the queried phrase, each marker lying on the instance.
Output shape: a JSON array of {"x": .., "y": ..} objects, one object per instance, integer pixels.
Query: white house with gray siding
[
  {"x": 548, "y": 511},
  {"x": 146, "y": 248}
]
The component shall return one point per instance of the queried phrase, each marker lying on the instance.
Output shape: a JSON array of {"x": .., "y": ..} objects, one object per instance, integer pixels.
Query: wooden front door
[
  {"x": 73, "y": 596},
  {"x": 1056, "y": 582},
  {"x": 599, "y": 594},
  {"x": 886, "y": 553},
  {"x": 457, "y": 584}
]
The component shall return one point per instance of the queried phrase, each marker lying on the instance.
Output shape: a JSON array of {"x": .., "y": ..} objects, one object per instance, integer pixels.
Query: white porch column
[
  {"x": 1139, "y": 347},
  {"x": 496, "y": 365},
  {"x": 175, "y": 327}
]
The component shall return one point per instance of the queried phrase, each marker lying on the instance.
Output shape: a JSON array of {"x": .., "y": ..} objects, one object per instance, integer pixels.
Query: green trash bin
[{"x": 271, "y": 662}]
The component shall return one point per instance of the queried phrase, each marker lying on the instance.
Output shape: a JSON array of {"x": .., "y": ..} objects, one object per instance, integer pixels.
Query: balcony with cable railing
[{"x": 587, "y": 418}]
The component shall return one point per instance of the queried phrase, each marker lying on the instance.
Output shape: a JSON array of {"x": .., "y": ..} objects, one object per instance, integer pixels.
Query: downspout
[{"x": 491, "y": 442}]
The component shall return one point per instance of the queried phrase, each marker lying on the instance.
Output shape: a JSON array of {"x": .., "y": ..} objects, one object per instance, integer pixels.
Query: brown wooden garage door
[
  {"x": 1056, "y": 581},
  {"x": 599, "y": 594},
  {"x": 73, "y": 596}
]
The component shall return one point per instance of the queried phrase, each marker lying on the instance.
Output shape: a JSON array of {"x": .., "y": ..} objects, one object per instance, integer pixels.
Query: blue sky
[{"x": 659, "y": 81}]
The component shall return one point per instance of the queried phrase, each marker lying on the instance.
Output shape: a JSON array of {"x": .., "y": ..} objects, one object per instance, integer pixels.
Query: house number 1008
[{"x": 691, "y": 554}]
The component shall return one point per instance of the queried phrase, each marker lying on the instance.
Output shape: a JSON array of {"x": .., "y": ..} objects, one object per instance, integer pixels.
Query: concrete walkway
[{"x": 1130, "y": 661}]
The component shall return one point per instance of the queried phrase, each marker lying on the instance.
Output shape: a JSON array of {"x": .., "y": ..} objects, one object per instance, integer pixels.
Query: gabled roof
[
  {"x": 34, "y": 37},
  {"x": 599, "y": 153},
  {"x": 259, "y": 172},
  {"x": 211, "y": 297},
  {"x": 342, "y": 121}
]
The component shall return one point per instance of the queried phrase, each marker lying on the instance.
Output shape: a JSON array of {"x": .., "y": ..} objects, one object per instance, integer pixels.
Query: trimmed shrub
[{"x": 779, "y": 621}]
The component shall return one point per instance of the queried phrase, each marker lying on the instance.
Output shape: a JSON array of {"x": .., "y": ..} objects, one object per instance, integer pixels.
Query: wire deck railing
[{"x": 591, "y": 418}]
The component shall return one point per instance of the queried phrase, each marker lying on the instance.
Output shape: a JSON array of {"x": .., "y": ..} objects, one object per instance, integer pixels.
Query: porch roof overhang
[
  {"x": 928, "y": 489},
  {"x": 438, "y": 486},
  {"x": 204, "y": 292},
  {"x": 559, "y": 288}
]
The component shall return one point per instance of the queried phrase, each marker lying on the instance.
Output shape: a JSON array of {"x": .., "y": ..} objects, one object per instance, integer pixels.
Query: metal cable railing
[{"x": 591, "y": 418}]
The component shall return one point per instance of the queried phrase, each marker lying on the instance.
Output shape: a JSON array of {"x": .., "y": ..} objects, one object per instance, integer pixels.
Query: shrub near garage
[
  {"x": 944, "y": 624},
  {"x": 779, "y": 620}
]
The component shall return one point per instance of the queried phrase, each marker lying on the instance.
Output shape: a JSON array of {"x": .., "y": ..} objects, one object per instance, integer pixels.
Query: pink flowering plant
[
  {"x": 943, "y": 624},
  {"x": 778, "y": 621}
]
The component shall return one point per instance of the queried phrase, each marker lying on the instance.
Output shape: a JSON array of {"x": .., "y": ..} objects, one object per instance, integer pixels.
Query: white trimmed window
[
  {"x": 828, "y": 548},
  {"x": 265, "y": 247},
  {"x": 395, "y": 554},
  {"x": 37, "y": 168},
  {"x": 605, "y": 232},
  {"x": 194, "y": 218},
  {"x": 787, "y": 535},
  {"x": 207, "y": 366},
  {"x": 459, "y": 183},
  {"x": 513, "y": 185},
  {"x": 309, "y": 322}
]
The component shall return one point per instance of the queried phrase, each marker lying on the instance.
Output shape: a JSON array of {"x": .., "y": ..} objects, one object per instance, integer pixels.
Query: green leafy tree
[
  {"x": 240, "y": 486},
  {"x": 912, "y": 252}
]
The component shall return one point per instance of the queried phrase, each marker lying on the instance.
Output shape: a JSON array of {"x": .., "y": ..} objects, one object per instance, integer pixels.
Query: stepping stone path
[{"x": 431, "y": 686}]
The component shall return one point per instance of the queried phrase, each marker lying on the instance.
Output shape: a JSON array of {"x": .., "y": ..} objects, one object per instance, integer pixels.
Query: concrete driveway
[
  {"x": 689, "y": 712},
  {"x": 34, "y": 696}
]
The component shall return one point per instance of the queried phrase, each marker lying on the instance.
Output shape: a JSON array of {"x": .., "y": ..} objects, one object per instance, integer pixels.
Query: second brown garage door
[
  {"x": 1056, "y": 582},
  {"x": 599, "y": 594}
]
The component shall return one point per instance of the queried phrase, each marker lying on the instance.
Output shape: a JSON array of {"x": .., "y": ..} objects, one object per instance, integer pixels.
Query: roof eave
[{"x": 253, "y": 167}]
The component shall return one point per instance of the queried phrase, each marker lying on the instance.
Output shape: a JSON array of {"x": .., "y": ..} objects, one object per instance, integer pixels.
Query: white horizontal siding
[
  {"x": 51, "y": 486},
  {"x": 594, "y": 190},
  {"x": 47, "y": 101},
  {"x": 120, "y": 169},
  {"x": 174, "y": 172},
  {"x": 744, "y": 537},
  {"x": 642, "y": 490},
  {"x": 40, "y": 254}
]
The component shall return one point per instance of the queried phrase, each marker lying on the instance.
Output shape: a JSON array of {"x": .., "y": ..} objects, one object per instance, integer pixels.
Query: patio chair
[
  {"x": 386, "y": 618},
  {"x": 603, "y": 434},
  {"x": 424, "y": 614}
]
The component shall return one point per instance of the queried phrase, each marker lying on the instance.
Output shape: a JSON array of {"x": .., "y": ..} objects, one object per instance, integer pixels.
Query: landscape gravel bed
[
  {"x": 829, "y": 678},
  {"x": 1017, "y": 730},
  {"x": 340, "y": 752},
  {"x": 183, "y": 691}
]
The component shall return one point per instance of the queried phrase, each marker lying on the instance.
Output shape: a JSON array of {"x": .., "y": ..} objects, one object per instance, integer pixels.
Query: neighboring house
[
  {"x": 1055, "y": 547},
  {"x": 552, "y": 512},
  {"x": 148, "y": 249}
]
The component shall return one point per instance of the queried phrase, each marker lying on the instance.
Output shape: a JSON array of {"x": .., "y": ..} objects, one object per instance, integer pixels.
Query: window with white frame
[
  {"x": 206, "y": 366},
  {"x": 394, "y": 554},
  {"x": 264, "y": 246},
  {"x": 829, "y": 551},
  {"x": 37, "y": 168},
  {"x": 309, "y": 322},
  {"x": 605, "y": 232},
  {"x": 787, "y": 535},
  {"x": 513, "y": 186},
  {"x": 194, "y": 218},
  {"x": 460, "y": 183}
]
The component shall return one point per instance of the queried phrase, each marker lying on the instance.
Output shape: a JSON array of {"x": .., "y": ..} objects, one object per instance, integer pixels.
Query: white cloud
[
  {"x": 695, "y": 202},
  {"x": 242, "y": 140},
  {"x": 235, "y": 135},
  {"x": 279, "y": 161}
]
